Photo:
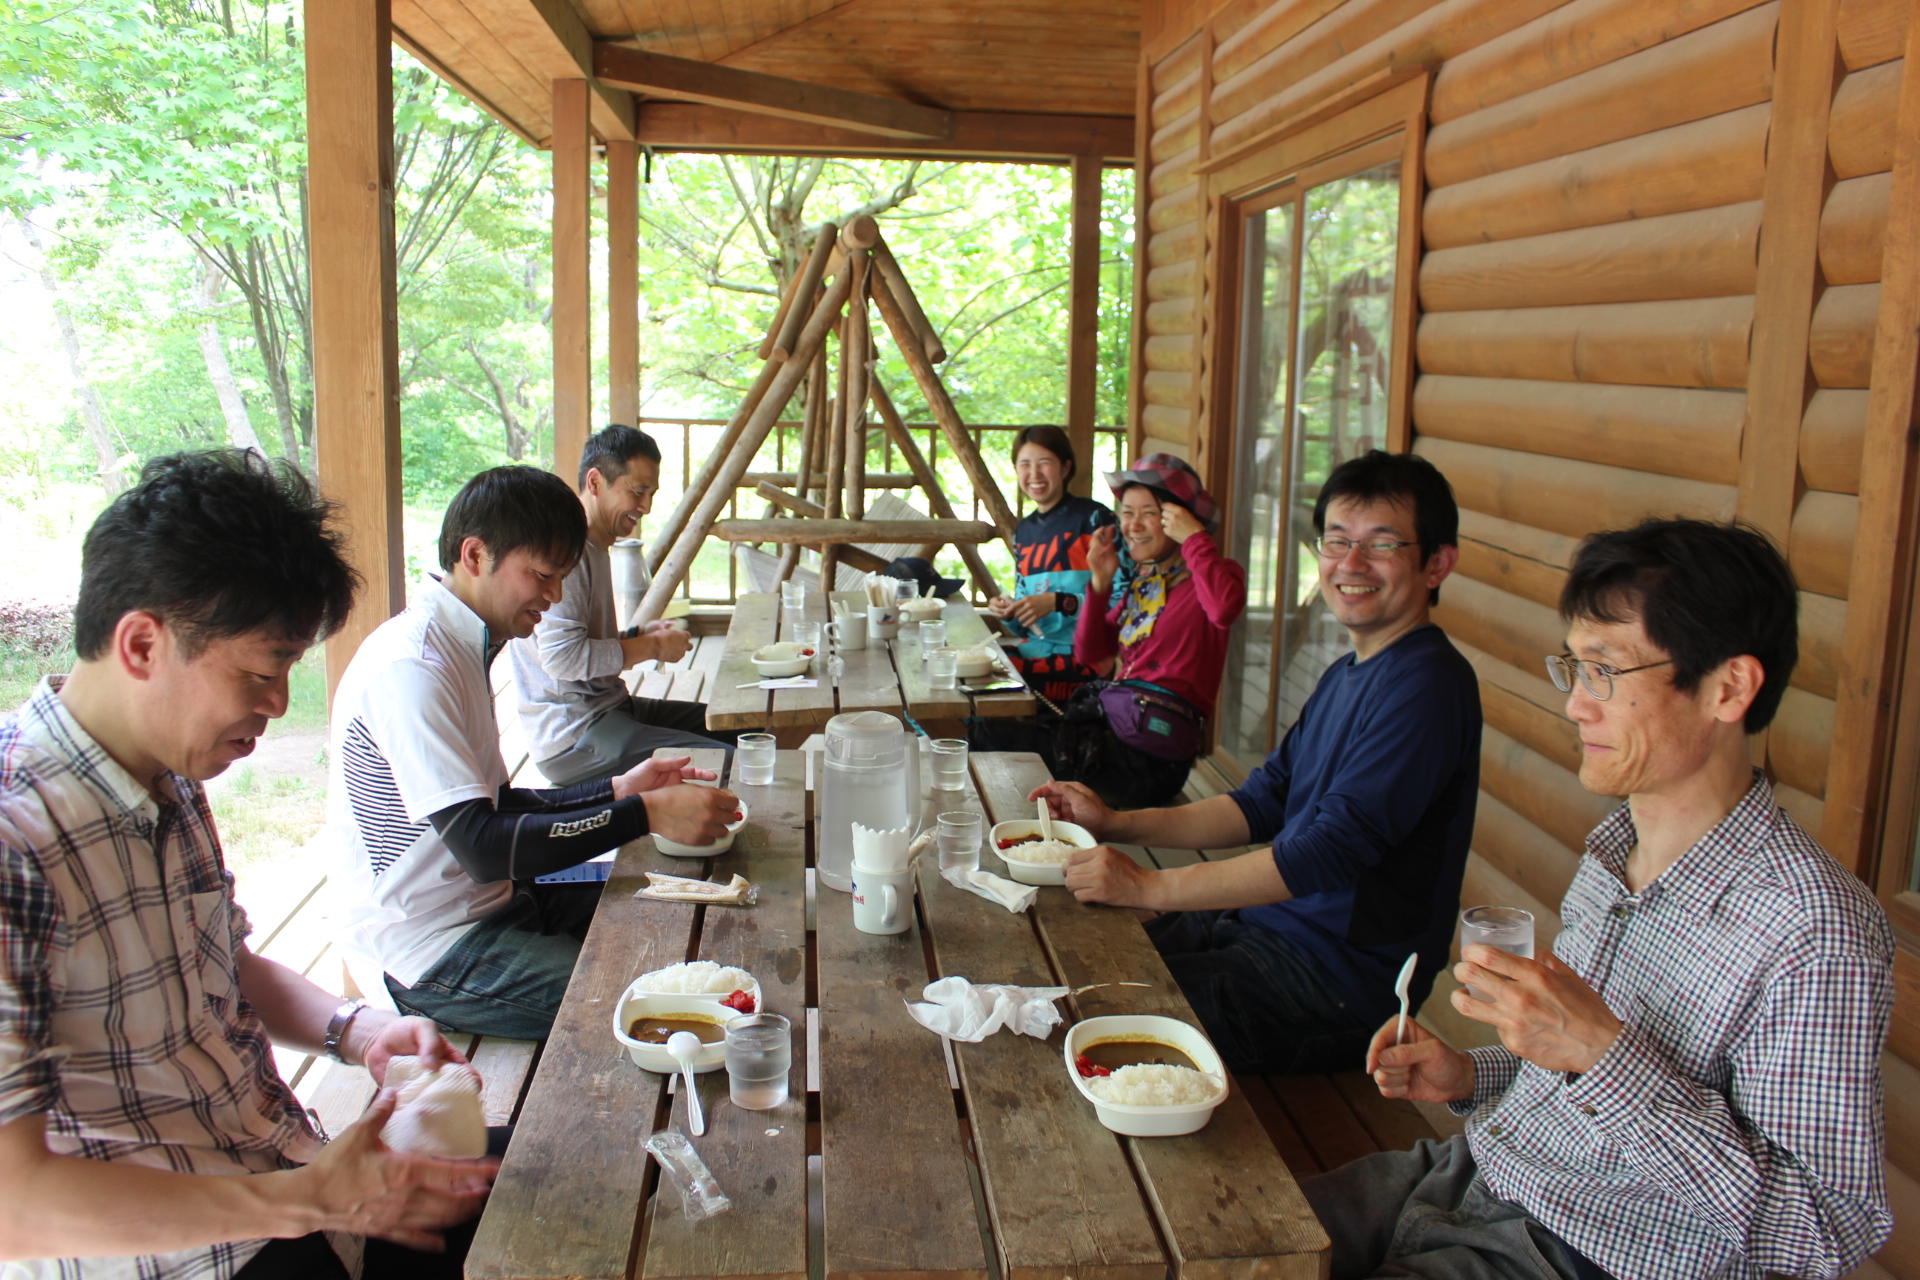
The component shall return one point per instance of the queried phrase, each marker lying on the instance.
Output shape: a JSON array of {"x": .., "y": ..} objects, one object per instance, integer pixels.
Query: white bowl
[
  {"x": 674, "y": 848},
  {"x": 970, "y": 664},
  {"x": 785, "y": 658},
  {"x": 1133, "y": 1119},
  {"x": 922, "y": 609},
  {"x": 1037, "y": 872},
  {"x": 654, "y": 1057}
]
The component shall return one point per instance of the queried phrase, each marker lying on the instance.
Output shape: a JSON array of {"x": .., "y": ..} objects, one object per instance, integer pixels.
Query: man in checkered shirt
[
  {"x": 144, "y": 1131},
  {"x": 1688, "y": 1084}
]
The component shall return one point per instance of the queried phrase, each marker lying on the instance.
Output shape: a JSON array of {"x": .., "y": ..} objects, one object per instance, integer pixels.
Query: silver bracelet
[{"x": 337, "y": 1028}]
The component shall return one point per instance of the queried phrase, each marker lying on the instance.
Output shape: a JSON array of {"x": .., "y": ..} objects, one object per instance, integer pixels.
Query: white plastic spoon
[
  {"x": 684, "y": 1045},
  {"x": 1046, "y": 819},
  {"x": 1401, "y": 985}
]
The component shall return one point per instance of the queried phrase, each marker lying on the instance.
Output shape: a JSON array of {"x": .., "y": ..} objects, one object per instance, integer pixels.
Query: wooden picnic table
[
  {"x": 888, "y": 676},
  {"x": 913, "y": 1158}
]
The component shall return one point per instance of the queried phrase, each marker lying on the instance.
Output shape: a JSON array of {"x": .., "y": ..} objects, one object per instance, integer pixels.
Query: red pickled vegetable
[
  {"x": 741, "y": 1000},
  {"x": 1088, "y": 1067}
]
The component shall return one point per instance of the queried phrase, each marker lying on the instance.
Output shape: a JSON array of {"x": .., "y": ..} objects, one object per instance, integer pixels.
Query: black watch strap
[{"x": 1069, "y": 603}]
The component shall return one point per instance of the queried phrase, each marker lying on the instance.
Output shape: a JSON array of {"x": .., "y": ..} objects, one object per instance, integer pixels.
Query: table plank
[
  {"x": 870, "y": 682},
  {"x": 755, "y": 617},
  {"x": 758, "y": 1157},
  {"x": 1227, "y": 1206},
  {"x": 1060, "y": 1201},
  {"x": 896, "y": 1192},
  {"x": 809, "y": 707}
]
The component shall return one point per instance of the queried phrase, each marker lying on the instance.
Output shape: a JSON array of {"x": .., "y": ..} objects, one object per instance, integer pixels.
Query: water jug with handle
[{"x": 870, "y": 775}]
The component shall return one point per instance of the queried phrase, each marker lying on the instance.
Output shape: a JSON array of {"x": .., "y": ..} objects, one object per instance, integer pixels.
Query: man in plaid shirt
[
  {"x": 1688, "y": 1084},
  {"x": 144, "y": 1131}
]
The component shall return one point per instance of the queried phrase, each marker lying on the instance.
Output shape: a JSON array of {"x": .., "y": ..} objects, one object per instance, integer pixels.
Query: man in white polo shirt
[{"x": 436, "y": 853}]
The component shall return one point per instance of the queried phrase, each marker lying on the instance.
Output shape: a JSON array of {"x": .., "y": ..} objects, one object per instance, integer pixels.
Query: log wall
[{"x": 1593, "y": 280}]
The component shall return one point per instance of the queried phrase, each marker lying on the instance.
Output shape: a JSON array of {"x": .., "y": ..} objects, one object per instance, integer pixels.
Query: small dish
[
  {"x": 1037, "y": 872},
  {"x": 654, "y": 1057},
  {"x": 1134, "y": 1119},
  {"x": 782, "y": 659},
  {"x": 673, "y": 848}
]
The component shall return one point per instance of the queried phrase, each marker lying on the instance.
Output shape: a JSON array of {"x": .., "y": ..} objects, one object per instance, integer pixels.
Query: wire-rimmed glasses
[
  {"x": 1595, "y": 677},
  {"x": 1334, "y": 547}
]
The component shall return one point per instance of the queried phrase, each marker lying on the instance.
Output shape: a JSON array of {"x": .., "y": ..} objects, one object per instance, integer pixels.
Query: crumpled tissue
[
  {"x": 959, "y": 1010},
  {"x": 438, "y": 1111},
  {"x": 1012, "y": 895}
]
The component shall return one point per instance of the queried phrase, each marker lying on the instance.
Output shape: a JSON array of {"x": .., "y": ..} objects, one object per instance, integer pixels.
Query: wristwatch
[
  {"x": 1067, "y": 604},
  {"x": 337, "y": 1028}
]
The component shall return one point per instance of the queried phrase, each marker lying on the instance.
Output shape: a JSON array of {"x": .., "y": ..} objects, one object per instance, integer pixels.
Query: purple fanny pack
[{"x": 1152, "y": 720}]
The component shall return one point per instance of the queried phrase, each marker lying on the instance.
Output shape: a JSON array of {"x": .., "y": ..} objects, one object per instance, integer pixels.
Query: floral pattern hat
[{"x": 1174, "y": 480}]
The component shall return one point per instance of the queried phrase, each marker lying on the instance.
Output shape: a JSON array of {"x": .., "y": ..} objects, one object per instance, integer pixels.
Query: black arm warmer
[{"x": 532, "y": 833}]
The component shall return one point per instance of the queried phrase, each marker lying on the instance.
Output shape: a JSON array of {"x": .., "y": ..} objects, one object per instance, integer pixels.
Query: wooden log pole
[
  {"x": 892, "y": 311},
  {"x": 702, "y": 479},
  {"x": 1083, "y": 311},
  {"x": 737, "y": 457},
  {"x": 859, "y": 351},
  {"x": 790, "y": 479},
  {"x": 572, "y": 270},
  {"x": 811, "y": 272},
  {"x": 836, "y": 471},
  {"x": 815, "y": 532},
  {"x": 937, "y": 502},
  {"x": 623, "y": 281},
  {"x": 779, "y": 497},
  {"x": 888, "y": 268}
]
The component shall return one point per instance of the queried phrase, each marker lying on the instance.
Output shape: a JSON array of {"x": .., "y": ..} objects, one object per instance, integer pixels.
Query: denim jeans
[
  {"x": 624, "y": 736},
  {"x": 1427, "y": 1213},
  {"x": 1266, "y": 1008},
  {"x": 505, "y": 975}
]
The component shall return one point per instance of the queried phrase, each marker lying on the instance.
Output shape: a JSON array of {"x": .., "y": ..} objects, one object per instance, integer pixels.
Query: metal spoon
[
  {"x": 685, "y": 1046},
  {"x": 1046, "y": 819},
  {"x": 1401, "y": 985}
]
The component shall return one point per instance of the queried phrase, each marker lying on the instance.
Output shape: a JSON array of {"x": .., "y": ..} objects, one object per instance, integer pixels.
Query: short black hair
[
  {"x": 1054, "y": 440},
  {"x": 1702, "y": 591},
  {"x": 1379, "y": 476},
  {"x": 215, "y": 544},
  {"x": 511, "y": 508},
  {"x": 612, "y": 449}
]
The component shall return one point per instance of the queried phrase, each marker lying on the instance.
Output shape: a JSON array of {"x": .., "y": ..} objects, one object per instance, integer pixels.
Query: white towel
[{"x": 1009, "y": 894}]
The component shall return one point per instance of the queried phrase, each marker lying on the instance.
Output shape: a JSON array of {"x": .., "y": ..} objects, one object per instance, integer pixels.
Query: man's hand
[
  {"x": 691, "y": 815},
  {"x": 1178, "y": 523},
  {"x": 1075, "y": 802},
  {"x": 1103, "y": 559},
  {"x": 1103, "y": 874},
  {"x": 1420, "y": 1068},
  {"x": 358, "y": 1185},
  {"x": 657, "y": 772},
  {"x": 390, "y": 1036},
  {"x": 1000, "y": 606},
  {"x": 1542, "y": 1009},
  {"x": 1030, "y": 609}
]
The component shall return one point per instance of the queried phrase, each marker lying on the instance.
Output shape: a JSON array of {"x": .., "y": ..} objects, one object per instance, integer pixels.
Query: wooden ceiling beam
[
  {"x": 977, "y": 135},
  {"x": 660, "y": 75},
  {"x": 549, "y": 39}
]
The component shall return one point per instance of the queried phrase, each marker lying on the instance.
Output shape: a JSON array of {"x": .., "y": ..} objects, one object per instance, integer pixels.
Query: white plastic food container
[
  {"x": 1037, "y": 872},
  {"x": 654, "y": 1057},
  {"x": 1148, "y": 1121},
  {"x": 782, "y": 659},
  {"x": 674, "y": 848}
]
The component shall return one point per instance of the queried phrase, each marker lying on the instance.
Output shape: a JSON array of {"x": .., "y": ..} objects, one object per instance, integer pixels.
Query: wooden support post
[
  {"x": 572, "y": 294},
  {"x": 859, "y": 350},
  {"x": 623, "y": 281},
  {"x": 1083, "y": 315},
  {"x": 836, "y": 469},
  {"x": 936, "y": 498},
  {"x": 888, "y": 269},
  {"x": 805, "y": 283},
  {"x": 942, "y": 407},
  {"x": 703, "y": 479},
  {"x": 356, "y": 362},
  {"x": 738, "y": 456},
  {"x": 832, "y": 530}
]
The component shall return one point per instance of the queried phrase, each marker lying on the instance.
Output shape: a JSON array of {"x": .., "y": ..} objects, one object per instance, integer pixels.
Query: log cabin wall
[{"x": 1605, "y": 331}]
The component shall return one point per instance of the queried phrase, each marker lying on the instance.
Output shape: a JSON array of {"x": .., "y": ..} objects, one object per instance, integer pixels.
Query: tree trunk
[
  {"x": 213, "y": 350},
  {"x": 112, "y": 476}
]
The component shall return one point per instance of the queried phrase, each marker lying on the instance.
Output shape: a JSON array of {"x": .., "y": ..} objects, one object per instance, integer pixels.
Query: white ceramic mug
[
  {"x": 883, "y": 621},
  {"x": 882, "y": 900},
  {"x": 848, "y": 631}
]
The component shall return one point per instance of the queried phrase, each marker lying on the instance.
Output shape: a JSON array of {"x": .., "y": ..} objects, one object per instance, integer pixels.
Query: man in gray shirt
[{"x": 581, "y": 722}]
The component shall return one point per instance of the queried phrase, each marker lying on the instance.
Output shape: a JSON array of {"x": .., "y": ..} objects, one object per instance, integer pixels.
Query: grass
[
  {"x": 21, "y": 668},
  {"x": 265, "y": 819}
]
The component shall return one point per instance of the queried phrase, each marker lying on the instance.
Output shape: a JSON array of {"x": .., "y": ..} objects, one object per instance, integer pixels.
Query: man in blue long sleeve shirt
[
  {"x": 1288, "y": 954},
  {"x": 1688, "y": 1083}
]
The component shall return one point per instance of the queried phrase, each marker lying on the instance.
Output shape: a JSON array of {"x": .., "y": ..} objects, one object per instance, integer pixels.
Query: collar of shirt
[
  {"x": 54, "y": 730},
  {"x": 451, "y": 612},
  {"x": 1696, "y": 882}
]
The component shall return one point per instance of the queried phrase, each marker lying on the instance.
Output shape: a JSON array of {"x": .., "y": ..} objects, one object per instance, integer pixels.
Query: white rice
[
  {"x": 1150, "y": 1084},
  {"x": 1046, "y": 852},
  {"x": 697, "y": 977}
]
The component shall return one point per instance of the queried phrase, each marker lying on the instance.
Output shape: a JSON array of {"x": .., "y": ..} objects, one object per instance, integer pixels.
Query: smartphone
[{"x": 993, "y": 684}]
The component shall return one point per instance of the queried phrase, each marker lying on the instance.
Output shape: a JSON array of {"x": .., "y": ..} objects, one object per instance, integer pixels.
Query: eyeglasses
[
  {"x": 1595, "y": 677},
  {"x": 1334, "y": 548}
]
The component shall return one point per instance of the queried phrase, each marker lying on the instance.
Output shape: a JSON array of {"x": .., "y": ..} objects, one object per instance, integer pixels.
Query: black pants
[{"x": 1085, "y": 750}]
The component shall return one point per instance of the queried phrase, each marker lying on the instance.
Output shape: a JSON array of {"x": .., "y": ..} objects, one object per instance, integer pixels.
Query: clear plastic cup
[
  {"x": 759, "y": 1060},
  {"x": 933, "y": 635},
  {"x": 753, "y": 759},
  {"x": 805, "y": 633},
  {"x": 947, "y": 758},
  {"x": 943, "y": 669},
  {"x": 957, "y": 836},
  {"x": 1507, "y": 929}
]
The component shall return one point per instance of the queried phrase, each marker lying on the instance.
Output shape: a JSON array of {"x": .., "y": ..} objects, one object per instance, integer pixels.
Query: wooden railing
[{"x": 714, "y": 578}]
